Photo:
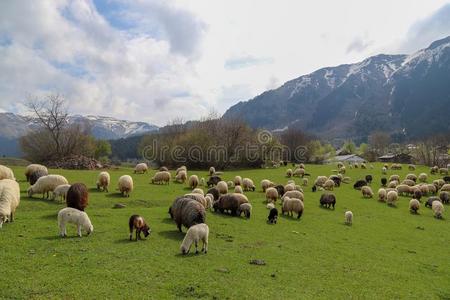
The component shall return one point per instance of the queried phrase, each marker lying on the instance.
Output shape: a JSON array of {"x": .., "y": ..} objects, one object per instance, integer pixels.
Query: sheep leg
[
  {"x": 196, "y": 247},
  {"x": 205, "y": 246},
  {"x": 179, "y": 227},
  {"x": 137, "y": 233},
  {"x": 131, "y": 234},
  {"x": 11, "y": 217},
  {"x": 62, "y": 230},
  {"x": 79, "y": 230}
]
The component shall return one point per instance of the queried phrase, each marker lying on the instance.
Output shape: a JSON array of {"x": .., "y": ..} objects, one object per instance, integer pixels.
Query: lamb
[
  {"x": 292, "y": 206},
  {"x": 36, "y": 175},
  {"x": 193, "y": 181},
  {"x": 181, "y": 176},
  {"x": 270, "y": 205},
  {"x": 9, "y": 200},
  {"x": 245, "y": 208},
  {"x": 289, "y": 173},
  {"x": 138, "y": 223},
  {"x": 6, "y": 173},
  {"x": 438, "y": 209},
  {"x": 187, "y": 212},
  {"x": 213, "y": 180},
  {"x": 196, "y": 233},
  {"x": 431, "y": 200},
  {"x": 222, "y": 187},
  {"x": 125, "y": 185},
  {"x": 248, "y": 184},
  {"x": 273, "y": 216},
  {"x": 271, "y": 194},
  {"x": 74, "y": 216},
  {"x": 369, "y": 179},
  {"x": 445, "y": 197},
  {"x": 237, "y": 180},
  {"x": 434, "y": 170},
  {"x": 77, "y": 196},
  {"x": 198, "y": 191},
  {"x": 384, "y": 170},
  {"x": 161, "y": 177},
  {"x": 359, "y": 184},
  {"x": 60, "y": 192},
  {"x": 212, "y": 171},
  {"x": 392, "y": 198},
  {"x": 141, "y": 168},
  {"x": 348, "y": 217},
  {"x": 382, "y": 194},
  {"x": 383, "y": 181},
  {"x": 328, "y": 185},
  {"x": 328, "y": 200},
  {"x": 46, "y": 184},
  {"x": 103, "y": 181},
  {"x": 265, "y": 184},
  {"x": 403, "y": 189},
  {"x": 30, "y": 169},
  {"x": 366, "y": 192},
  {"x": 423, "y": 177},
  {"x": 305, "y": 182},
  {"x": 230, "y": 202},
  {"x": 238, "y": 189}
]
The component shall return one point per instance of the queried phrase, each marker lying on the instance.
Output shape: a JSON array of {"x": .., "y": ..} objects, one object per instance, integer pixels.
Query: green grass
[{"x": 387, "y": 253}]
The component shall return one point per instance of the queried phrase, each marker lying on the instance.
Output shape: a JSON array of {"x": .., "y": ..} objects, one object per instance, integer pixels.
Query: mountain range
[{"x": 407, "y": 95}]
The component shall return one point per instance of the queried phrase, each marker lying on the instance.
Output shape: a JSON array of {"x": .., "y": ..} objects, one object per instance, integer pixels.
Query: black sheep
[
  {"x": 327, "y": 200},
  {"x": 430, "y": 201},
  {"x": 314, "y": 188},
  {"x": 369, "y": 179},
  {"x": 336, "y": 180},
  {"x": 213, "y": 180},
  {"x": 359, "y": 184},
  {"x": 445, "y": 197},
  {"x": 36, "y": 175},
  {"x": 446, "y": 179},
  {"x": 383, "y": 181},
  {"x": 417, "y": 194},
  {"x": 273, "y": 216},
  {"x": 280, "y": 190},
  {"x": 215, "y": 192}
]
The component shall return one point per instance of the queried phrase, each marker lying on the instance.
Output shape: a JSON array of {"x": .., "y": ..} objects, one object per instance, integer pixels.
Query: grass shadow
[
  {"x": 47, "y": 201},
  {"x": 168, "y": 221},
  {"x": 115, "y": 195},
  {"x": 58, "y": 237},
  {"x": 172, "y": 234},
  {"x": 50, "y": 217}
]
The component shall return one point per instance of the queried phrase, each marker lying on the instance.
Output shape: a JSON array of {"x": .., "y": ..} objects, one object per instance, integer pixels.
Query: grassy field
[{"x": 387, "y": 253}]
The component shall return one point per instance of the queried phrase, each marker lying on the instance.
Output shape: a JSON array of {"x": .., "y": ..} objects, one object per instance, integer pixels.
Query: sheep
[
  {"x": 383, "y": 181},
  {"x": 348, "y": 217},
  {"x": 363, "y": 166},
  {"x": 238, "y": 189},
  {"x": 289, "y": 173},
  {"x": 382, "y": 194},
  {"x": 289, "y": 187},
  {"x": 328, "y": 185},
  {"x": 366, "y": 192},
  {"x": 445, "y": 187},
  {"x": 439, "y": 183},
  {"x": 181, "y": 176},
  {"x": 300, "y": 172},
  {"x": 396, "y": 167},
  {"x": 346, "y": 179},
  {"x": 445, "y": 197},
  {"x": 9, "y": 200},
  {"x": 237, "y": 180},
  {"x": 213, "y": 180},
  {"x": 163, "y": 168},
  {"x": 125, "y": 185},
  {"x": 46, "y": 184},
  {"x": 103, "y": 181},
  {"x": 60, "y": 192},
  {"x": 270, "y": 205},
  {"x": 443, "y": 171},
  {"x": 392, "y": 198},
  {"x": 215, "y": 192},
  {"x": 77, "y": 196},
  {"x": 230, "y": 184},
  {"x": 432, "y": 189},
  {"x": 265, "y": 184},
  {"x": 245, "y": 208},
  {"x": 359, "y": 184},
  {"x": 273, "y": 216},
  {"x": 198, "y": 191},
  {"x": 212, "y": 171},
  {"x": 161, "y": 177},
  {"x": 446, "y": 179},
  {"x": 414, "y": 205},
  {"x": 403, "y": 189},
  {"x": 408, "y": 182},
  {"x": 74, "y": 216},
  {"x": 6, "y": 173},
  {"x": 424, "y": 189},
  {"x": 369, "y": 179},
  {"x": 339, "y": 165},
  {"x": 229, "y": 202},
  {"x": 320, "y": 180},
  {"x": 222, "y": 187},
  {"x": 438, "y": 209},
  {"x": 140, "y": 168},
  {"x": 271, "y": 194},
  {"x": 411, "y": 167},
  {"x": 412, "y": 177},
  {"x": 342, "y": 170},
  {"x": 393, "y": 184},
  {"x": 434, "y": 170},
  {"x": 30, "y": 169},
  {"x": 336, "y": 180},
  {"x": 293, "y": 194},
  {"x": 292, "y": 205},
  {"x": 197, "y": 197},
  {"x": 431, "y": 200},
  {"x": 248, "y": 184},
  {"x": 36, "y": 175},
  {"x": 187, "y": 212},
  {"x": 182, "y": 168},
  {"x": 193, "y": 181},
  {"x": 328, "y": 200},
  {"x": 394, "y": 178},
  {"x": 386, "y": 166},
  {"x": 209, "y": 200},
  {"x": 416, "y": 193},
  {"x": 384, "y": 171},
  {"x": 138, "y": 223},
  {"x": 280, "y": 189},
  {"x": 423, "y": 177},
  {"x": 196, "y": 233},
  {"x": 305, "y": 182}
]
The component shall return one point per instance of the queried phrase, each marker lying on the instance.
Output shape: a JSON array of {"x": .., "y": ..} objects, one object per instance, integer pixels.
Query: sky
[{"x": 160, "y": 60}]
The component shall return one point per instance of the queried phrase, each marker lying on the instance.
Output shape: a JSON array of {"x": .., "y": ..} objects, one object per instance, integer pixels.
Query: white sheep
[
  {"x": 445, "y": 187},
  {"x": 197, "y": 197},
  {"x": 141, "y": 168},
  {"x": 305, "y": 182},
  {"x": 265, "y": 184},
  {"x": 328, "y": 185},
  {"x": 348, "y": 217},
  {"x": 6, "y": 173},
  {"x": 238, "y": 189},
  {"x": 271, "y": 194},
  {"x": 193, "y": 181},
  {"x": 293, "y": 194},
  {"x": 300, "y": 172},
  {"x": 212, "y": 171},
  {"x": 291, "y": 206},
  {"x": 209, "y": 200},
  {"x": 182, "y": 168},
  {"x": 60, "y": 192},
  {"x": 125, "y": 185},
  {"x": 438, "y": 209},
  {"x": 195, "y": 233},
  {"x": 414, "y": 205},
  {"x": 181, "y": 176},
  {"x": 366, "y": 192},
  {"x": 289, "y": 187},
  {"x": 9, "y": 200},
  {"x": 270, "y": 205},
  {"x": 103, "y": 181},
  {"x": 384, "y": 170},
  {"x": 245, "y": 208},
  {"x": 198, "y": 191},
  {"x": 320, "y": 180},
  {"x": 423, "y": 177},
  {"x": 248, "y": 185},
  {"x": 222, "y": 186},
  {"x": 289, "y": 173},
  {"x": 74, "y": 216},
  {"x": 391, "y": 198},
  {"x": 30, "y": 169},
  {"x": 46, "y": 184},
  {"x": 162, "y": 177},
  {"x": 237, "y": 180},
  {"x": 382, "y": 194}
]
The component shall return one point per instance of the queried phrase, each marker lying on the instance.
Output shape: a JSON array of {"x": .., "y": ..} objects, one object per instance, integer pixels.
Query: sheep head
[{"x": 30, "y": 192}]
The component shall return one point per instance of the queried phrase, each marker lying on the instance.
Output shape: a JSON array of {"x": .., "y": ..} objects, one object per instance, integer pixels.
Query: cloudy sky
[{"x": 157, "y": 60}]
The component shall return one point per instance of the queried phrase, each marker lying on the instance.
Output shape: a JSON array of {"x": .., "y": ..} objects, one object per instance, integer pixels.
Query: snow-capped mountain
[{"x": 398, "y": 93}]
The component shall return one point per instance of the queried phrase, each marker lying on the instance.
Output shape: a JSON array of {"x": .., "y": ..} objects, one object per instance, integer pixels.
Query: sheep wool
[
  {"x": 423, "y": 177},
  {"x": 392, "y": 197},
  {"x": 71, "y": 215},
  {"x": 46, "y": 184},
  {"x": 265, "y": 184},
  {"x": 305, "y": 182},
  {"x": 198, "y": 191},
  {"x": 237, "y": 180},
  {"x": 141, "y": 168},
  {"x": 125, "y": 185},
  {"x": 245, "y": 208},
  {"x": 9, "y": 200},
  {"x": 271, "y": 194},
  {"x": 212, "y": 171},
  {"x": 382, "y": 194},
  {"x": 195, "y": 234},
  {"x": 291, "y": 206},
  {"x": 270, "y": 205},
  {"x": 414, "y": 205},
  {"x": 181, "y": 176},
  {"x": 197, "y": 197},
  {"x": 366, "y": 192},
  {"x": 289, "y": 173},
  {"x": 248, "y": 185},
  {"x": 222, "y": 186},
  {"x": 438, "y": 209},
  {"x": 348, "y": 217},
  {"x": 238, "y": 189},
  {"x": 187, "y": 212},
  {"x": 103, "y": 181},
  {"x": 161, "y": 177},
  {"x": 328, "y": 185},
  {"x": 30, "y": 169},
  {"x": 193, "y": 181},
  {"x": 60, "y": 192},
  {"x": 6, "y": 173}
]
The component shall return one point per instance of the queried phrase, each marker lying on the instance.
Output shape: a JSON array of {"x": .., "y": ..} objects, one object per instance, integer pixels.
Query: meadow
[{"x": 387, "y": 252}]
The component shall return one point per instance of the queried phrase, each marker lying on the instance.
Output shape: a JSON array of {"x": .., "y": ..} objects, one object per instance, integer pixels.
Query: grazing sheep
[
  {"x": 414, "y": 205},
  {"x": 445, "y": 197},
  {"x": 289, "y": 173},
  {"x": 293, "y": 194},
  {"x": 396, "y": 167},
  {"x": 439, "y": 183},
  {"x": 393, "y": 184},
  {"x": 271, "y": 194},
  {"x": 394, "y": 178},
  {"x": 348, "y": 217},
  {"x": 363, "y": 166},
  {"x": 74, "y": 216},
  {"x": 328, "y": 200},
  {"x": 209, "y": 201},
  {"x": 248, "y": 184},
  {"x": 328, "y": 185},
  {"x": 229, "y": 202},
  {"x": 384, "y": 171},
  {"x": 270, "y": 205},
  {"x": 438, "y": 209},
  {"x": 215, "y": 192},
  {"x": 273, "y": 216},
  {"x": 382, "y": 194},
  {"x": 30, "y": 169},
  {"x": 103, "y": 181},
  {"x": 305, "y": 182},
  {"x": 369, "y": 179},
  {"x": 423, "y": 177},
  {"x": 230, "y": 184},
  {"x": 237, "y": 180},
  {"x": 125, "y": 185},
  {"x": 408, "y": 182},
  {"x": 187, "y": 212},
  {"x": 411, "y": 167},
  {"x": 392, "y": 198},
  {"x": 140, "y": 168},
  {"x": 182, "y": 168},
  {"x": 198, "y": 191},
  {"x": 181, "y": 176},
  {"x": 412, "y": 177},
  {"x": 138, "y": 223},
  {"x": 320, "y": 180},
  {"x": 424, "y": 189},
  {"x": 336, "y": 179},
  {"x": 245, "y": 208},
  {"x": 193, "y": 181},
  {"x": 291, "y": 206},
  {"x": 197, "y": 197},
  {"x": 46, "y": 184},
  {"x": 9, "y": 200},
  {"x": 60, "y": 192},
  {"x": 238, "y": 189},
  {"x": 36, "y": 175},
  {"x": 289, "y": 187},
  {"x": 6, "y": 173},
  {"x": 265, "y": 184},
  {"x": 213, "y": 180},
  {"x": 196, "y": 233},
  {"x": 445, "y": 188},
  {"x": 359, "y": 184},
  {"x": 162, "y": 169},
  {"x": 300, "y": 172},
  {"x": 161, "y": 177},
  {"x": 430, "y": 201},
  {"x": 77, "y": 196},
  {"x": 434, "y": 170},
  {"x": 222, "y": 187},
  {"x": 403, "y": 189},
  {"x": 383, "y": 181},
  {"x": 432, "y": 189},
  {"x": 212, "y": 171},
  {"x": 443, "y": 171},
  {"x": 366, "y": 192}
]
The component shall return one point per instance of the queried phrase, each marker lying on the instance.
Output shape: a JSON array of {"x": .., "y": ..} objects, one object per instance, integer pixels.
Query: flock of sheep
[{"x": 189, "y": 210}]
